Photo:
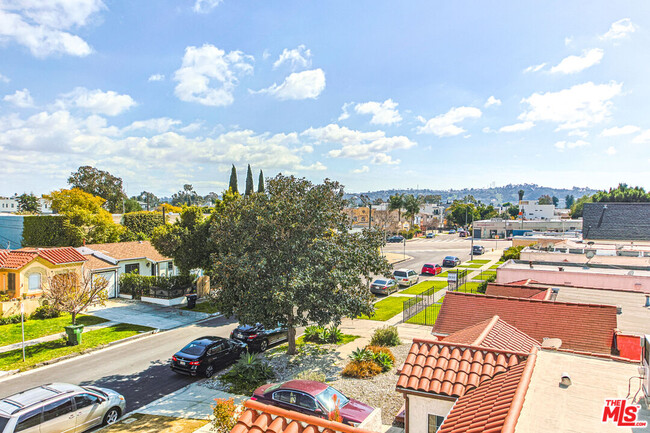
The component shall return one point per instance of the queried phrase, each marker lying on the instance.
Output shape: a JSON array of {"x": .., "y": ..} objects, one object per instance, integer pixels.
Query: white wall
[
  {"x": 419, "y": 409},
  {"x": 538, "y": 211}
]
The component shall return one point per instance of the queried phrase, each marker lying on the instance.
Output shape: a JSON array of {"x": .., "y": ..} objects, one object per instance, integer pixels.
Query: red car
[
  {"x": 431, "y": 269},
  {"x": 312, "y": 398}
]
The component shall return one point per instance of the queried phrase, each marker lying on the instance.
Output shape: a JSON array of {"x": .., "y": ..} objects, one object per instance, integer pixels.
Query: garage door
[{"x": 111, "y": 289}]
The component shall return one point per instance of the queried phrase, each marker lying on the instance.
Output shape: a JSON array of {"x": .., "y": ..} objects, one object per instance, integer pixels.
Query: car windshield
[
  {"x": 3, "y": 422},
  {"x": 399, "y": 274},
  {"x": 428, "y": 266},
  {"x": 380, "y": 282},
  {"x": 326, "y": 398},
  {"x": 449, "y": 258},
  {"x": 194, "y": 349},
  {"x": 95, "y": 390}
]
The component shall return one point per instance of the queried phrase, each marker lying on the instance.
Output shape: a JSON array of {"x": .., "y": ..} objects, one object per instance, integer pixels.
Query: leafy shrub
[
  {"x": 512, "y": 253},
  {"x": 141, "y": 285},
  {"x": 481, "y": 288},
  {"x": 322, "y": 335},
  {"x": 311, "y": 333},
  {"x": 142, "y": 223},
  {"x": 385, "y": 336},
  {"x": 382, "y": 356},
  {"x": 10, "y": 319},
  {"x": 311, "y": 375},
  {"x": 45, "y": 312},
  {"x": 248, "y": 373},
  {"x": 334, "y": 334},
  {"x": 361, "y": 354},
  {"x": 361, "y": 369},
  {"x": 50, "y": 231},
  {"x": 224, "y": 414},
  {"x": 381, "y": 349}
]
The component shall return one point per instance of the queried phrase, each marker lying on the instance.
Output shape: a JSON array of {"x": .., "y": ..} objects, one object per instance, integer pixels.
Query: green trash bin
[{"x": 74, "y": 334}]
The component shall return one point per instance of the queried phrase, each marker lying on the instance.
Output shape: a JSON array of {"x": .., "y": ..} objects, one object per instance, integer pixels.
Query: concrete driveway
[{"x": 145, "y": 314}]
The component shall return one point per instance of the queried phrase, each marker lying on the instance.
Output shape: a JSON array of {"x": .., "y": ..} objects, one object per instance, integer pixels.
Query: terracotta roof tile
[
  {"x": 514, "y": 291},
  {"x": 129, "y": 250},
  {"x": 16, "y": 259},
  {"x": 494, "y": 333},
  {"x": 263, "y": 418},
  {"x": 450, "y": 369},
  {"x": 585, "y": 327}
]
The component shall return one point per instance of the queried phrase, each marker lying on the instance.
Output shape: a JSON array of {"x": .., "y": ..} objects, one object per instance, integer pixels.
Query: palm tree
[
  {"x": 412, "y": 207},
  {"x": 521, "y": 194},
  {"x": 396, "y": 202}
]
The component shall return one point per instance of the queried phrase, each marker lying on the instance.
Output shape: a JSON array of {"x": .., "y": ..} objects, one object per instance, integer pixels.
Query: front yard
[
  {"x": 424, "y": 286},
  {"x": 36, "y": 328},
  {"x": 55, "y": 349},
  {"x": 387, "y": 308}
]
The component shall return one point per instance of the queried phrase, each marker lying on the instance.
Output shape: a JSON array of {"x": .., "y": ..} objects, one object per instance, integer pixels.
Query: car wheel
[
  {"x": 209, "y": 371},
  {"x": 264, "y": 345},
  {"x": 112, "y": 416}
]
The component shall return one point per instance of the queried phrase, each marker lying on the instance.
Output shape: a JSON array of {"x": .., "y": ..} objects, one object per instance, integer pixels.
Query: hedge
[
  {"x": 142, "y": 223},
  {"x": 140, "y": 285},
  {"x": 50, "y": 231}
]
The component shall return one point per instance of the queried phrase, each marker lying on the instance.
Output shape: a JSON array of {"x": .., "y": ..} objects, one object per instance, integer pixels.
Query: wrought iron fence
[{"x": 421, "y": 309}]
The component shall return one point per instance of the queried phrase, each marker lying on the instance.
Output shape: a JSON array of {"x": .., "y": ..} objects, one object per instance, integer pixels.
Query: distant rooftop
[
  {"x": 619, "y": 221},
  {"x": 606, "y": 270}
]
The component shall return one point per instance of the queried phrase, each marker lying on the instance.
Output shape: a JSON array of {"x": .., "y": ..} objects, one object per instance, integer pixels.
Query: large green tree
[
  {"x": 150, "y": 199},
  {"x": 233, "y": 180},
  {"x": 249, "y": 181},
  {"x": 569, "y": 200},
  {"x": 101, "y": 184},
  {"x": 288, "y": 257},
  {"x": 28, "y": 203},
  {"x": 187, "y": 197},
  {"x": 260, "y": 183},
  {"x": 521, "y": 193},
  {"x": 462, "y": 214},
  {"x": 411, "y": 207},
  {"x": 545, "y": 199},
  {"x": 396, "y": 202},
  {"x": 622, "y": 193}
]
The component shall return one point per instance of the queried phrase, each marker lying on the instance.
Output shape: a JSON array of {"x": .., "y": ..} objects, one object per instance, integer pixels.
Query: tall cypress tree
[
  {"x": 233, "y": 180},
  {"x": 249, "y": 181},
  {"x": 260, "y": 183}
]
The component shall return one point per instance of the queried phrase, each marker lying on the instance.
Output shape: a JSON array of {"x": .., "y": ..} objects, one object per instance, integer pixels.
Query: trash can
[
  {"x": 73, "y": 333},
  {"x": 191, "y": 300}
]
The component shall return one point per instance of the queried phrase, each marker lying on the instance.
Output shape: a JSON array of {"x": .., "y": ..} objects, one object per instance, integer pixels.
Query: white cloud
[
  {"x": 517, "y": 127},
  {"x": 578, "y": 133},
  {"x": 156, "y": 77},
  {"x": 344, "y": 111},
  {"x": 42, "y": 26},
  {"x": 208, "y": 64},
  {"x": 298, "y": 58},
  {"x": 642, "y": 138},
  {"x": 620, "y": 130},
  {"x": 444, "y": 125},
  {"x": 159, "y": 125},
  {"x": 561, "y": 145},
  {"x": 574, "y": 64},
  {"x": 363, "y": 169},
  {"x": 492, "y": 101},
  {"x": 383, "y": 159},
  {"x": 266, "y": 54},
  {"x": 383, "y": 113},
  {"x": 97, "y": 101},
  {"x": 299, "y": 85},
  {"x": 534, "y": 68},
  {"x": 357, "y": 144},
  {"x": 619, "y": 29},
  {"x": 611, "y": 150},
  {"x": 21, "y": 98},
  {"x": 568, "y": 40},
  {"x": 580, "y": 106},
  {"x": 4, "y": 79},
  {"x": 205, "y": 6}
]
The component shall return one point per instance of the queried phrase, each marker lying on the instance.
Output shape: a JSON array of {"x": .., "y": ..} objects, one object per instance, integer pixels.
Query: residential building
[
  {"x": 489, "y": 229},
  {"x": 616, "y": 221},
  {"x": 10, "y": 205},
  {"x": 532, "y": 210},
  {"x": 431, "y": 216}
]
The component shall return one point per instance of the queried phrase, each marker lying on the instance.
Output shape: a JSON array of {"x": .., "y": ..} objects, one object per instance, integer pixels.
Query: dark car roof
[
  {"x": 208, "y": 339},
  {"x": 451, "y": 257},
  {"x": 308, "y": 386}
]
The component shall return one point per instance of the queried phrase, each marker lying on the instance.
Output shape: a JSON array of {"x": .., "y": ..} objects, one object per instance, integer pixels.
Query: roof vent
[
  {"x": 565, "y": 380},
  {"x": 619, "y": 310},
  {"x": 552, "y": 343},
  {"x": 631, "y": 273}
]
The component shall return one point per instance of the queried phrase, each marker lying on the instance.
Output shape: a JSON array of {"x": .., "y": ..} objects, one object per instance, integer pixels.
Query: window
[
  {"x": 11, "y": 282},
  {"x": 29, "y": 420},
  {"x": 132, "y": 268},
  {"x": 57, "y": 409},
  {"x": 215, "y": 349},
  {"x": 435, "y": 422},
  {"x": 34, "y": 282},
  {"x": 306, "y": 401},
  {"x": 283, "y": 396},
  {"x": 85, "y": 400},
  {"x": 170, "y": 266}
]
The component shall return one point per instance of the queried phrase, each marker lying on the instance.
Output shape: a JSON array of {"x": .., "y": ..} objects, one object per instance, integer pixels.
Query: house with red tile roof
[
  {"x": 494, "y": 333},
  {"x": 581, "y": 327},
  {"x": 523, "y": 290}
]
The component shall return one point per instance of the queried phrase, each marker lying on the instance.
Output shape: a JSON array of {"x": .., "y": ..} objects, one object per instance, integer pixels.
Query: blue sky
[{"x": 375, "y": 94}]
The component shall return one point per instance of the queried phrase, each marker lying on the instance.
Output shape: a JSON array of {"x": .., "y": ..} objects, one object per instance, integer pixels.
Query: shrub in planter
[
  {"x": 224, "y": 414},
  {"x": 249, "y": 372},
  {"x": 361, "y": 369},
  {"x": 45, "y": 312},
  {"x": 385, "y": 336}
]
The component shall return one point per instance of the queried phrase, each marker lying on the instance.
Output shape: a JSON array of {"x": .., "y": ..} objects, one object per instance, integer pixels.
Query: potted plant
[{"x": 73, "y": 292}]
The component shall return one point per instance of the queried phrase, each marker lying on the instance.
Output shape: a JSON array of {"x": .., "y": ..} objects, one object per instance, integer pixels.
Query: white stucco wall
[{"x": 419, "y": 409}]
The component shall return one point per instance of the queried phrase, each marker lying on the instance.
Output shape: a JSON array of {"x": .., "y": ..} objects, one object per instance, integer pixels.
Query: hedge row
[
  {"x": 141, "y": 285},
  {"x": 50, "y": 231},
  {"x": 142, "y": 223}
]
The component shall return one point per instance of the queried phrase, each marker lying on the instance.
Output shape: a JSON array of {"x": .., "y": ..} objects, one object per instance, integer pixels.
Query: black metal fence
[
  {"x": 456, "y": 279},
  {"x": 421, "y": 309}
]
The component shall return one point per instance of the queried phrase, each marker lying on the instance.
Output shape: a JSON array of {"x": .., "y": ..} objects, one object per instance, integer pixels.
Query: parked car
[
  {"x": 257, "y": 338},
  {"x": 312, "y": 398},
  {"x": 462, "y": 233},
  {"x": 452, "y": 231},
  {"x": 384, "y": 286},
  {"x": 450, "y": 261},
  {"x": 406, "y": 277},
  {"x": 430, "y": 235},
  {"x": 206, "y": 355},
  {"x": 478, "y": 249},
  {"x": 431, "y": 269},
  {"x": 60, "y": 407},
  {"x": 395, "y": 239}
]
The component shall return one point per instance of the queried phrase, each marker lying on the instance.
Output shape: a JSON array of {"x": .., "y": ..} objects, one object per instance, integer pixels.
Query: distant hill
[{"x": 495, "y": 195}]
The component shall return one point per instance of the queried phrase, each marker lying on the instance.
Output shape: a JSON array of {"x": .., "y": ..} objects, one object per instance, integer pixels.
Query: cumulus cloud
[
  {"x": 561, "y": 145},
  {"x": 619, "y": 29},
  {"x": 4, "y": 79},
  {"x": 357, "y": 144},
  {"x": 492, "y": 101},
  {"x": 580, "y": 106},
  {"x": 534, "y": 68},
  {"x": 299, "y": 85},
  {"x": 156, "y": 77},
  {"x": 574, "y": 64},
  {"x": 97, "y": 101},
  {"x": 517, "y": 127},
  {"x": 205, "y": 6},
  {"x": 383, "y": 113},
  {"x": 444, "y": 125},
  {"x": 159, "y": 125},
  {"x": 642, "y": 138},
  {"x": 344, "y": 111},
  {"x": 43, "y": 26},
  {"x": 611, "y": 150},
  {"x": 362, "y": 169},
  {"x": 208, "y": 75},
  {"x": 297, "y": 58},
  {"x": 383, "y": 159},
  {"x": 620, "y": 130},
  {"x": 21, "y": 98},
  {"x": 578, "y": 133}
]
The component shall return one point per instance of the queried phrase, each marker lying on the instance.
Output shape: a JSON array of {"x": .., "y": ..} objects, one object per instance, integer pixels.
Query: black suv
[
  {"x": 206, "y": 355},
  {"x": 257, "y": 337},
  {"x": 395, "y": 239},
  {"x": 478, "y": 250}
]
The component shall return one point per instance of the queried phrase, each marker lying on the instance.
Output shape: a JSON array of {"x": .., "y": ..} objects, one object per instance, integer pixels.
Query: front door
[
  {"x": 88, "y": 411},
  {"x": 59, "y": 416}
]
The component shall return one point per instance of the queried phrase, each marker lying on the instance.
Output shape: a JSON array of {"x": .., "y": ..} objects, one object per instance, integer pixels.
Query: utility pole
[
  {"x": 369, "y": 215},
  {"x": 472, "y": 238}
]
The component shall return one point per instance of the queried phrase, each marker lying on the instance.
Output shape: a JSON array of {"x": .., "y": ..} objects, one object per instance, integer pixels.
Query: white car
[{"x": 406, "y": 277}]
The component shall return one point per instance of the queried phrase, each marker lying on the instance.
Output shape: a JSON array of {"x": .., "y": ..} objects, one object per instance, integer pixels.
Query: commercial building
[
  {"x": 532, "y": 210},
  {"x": 490, "y": 229}
]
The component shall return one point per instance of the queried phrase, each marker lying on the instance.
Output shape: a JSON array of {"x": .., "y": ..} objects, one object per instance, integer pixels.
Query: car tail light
[
  {"x": 174, "y": 358},
  {"x": 254, "y": 398},
  {"x": 195, "y": 362},
  {"x": 252, "y": 337}
]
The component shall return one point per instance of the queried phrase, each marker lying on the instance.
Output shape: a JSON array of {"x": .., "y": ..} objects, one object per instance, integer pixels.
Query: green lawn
[
  {"x": 496, "y": 265},
  {"x": 204, "y": 307},
  {"x": 482, "y": 262},
  {"x": 469, "y": 287},
  {"x": 387, "y": 308},
  {"x": 444, "y": 274},
  {"x": 470, "y": 265},
  {"x": 54, "y": 349},
  {"x": 424, "y": 286},
  {"x": 10, "y": 334},
  {"x": 484, "y": 275},
  {"x": 345, "y": 339}
]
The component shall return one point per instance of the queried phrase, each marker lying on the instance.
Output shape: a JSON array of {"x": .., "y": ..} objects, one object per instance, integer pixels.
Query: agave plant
[
  {"x": 361, "y": 354},
  {"x": 383, "y": 360},
  {"x": 334, "y": 334}
]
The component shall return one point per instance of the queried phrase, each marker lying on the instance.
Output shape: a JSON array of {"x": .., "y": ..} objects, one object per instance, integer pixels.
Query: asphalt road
[{"x": 138, "y": 369}]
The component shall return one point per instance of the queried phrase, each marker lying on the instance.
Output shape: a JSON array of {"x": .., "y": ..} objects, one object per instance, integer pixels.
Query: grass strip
[
  {"x": 424, "y": 286},
  {"x": 387, "y": 308},
  {"x": 37, "y": 328}
]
